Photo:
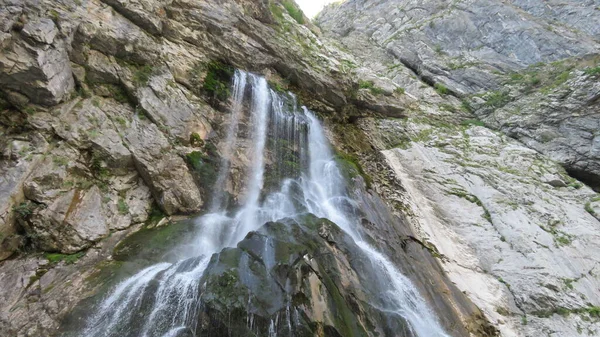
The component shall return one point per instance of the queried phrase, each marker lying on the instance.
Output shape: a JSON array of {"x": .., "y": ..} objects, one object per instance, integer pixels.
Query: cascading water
[{"x": 163, "y": 299}]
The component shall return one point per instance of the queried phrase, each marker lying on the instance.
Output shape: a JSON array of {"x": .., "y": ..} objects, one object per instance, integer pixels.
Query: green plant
[
  {"x": 362, "y": 84},
  {"x": 589, "y": 209},
  {"x": 142, "y": 75},
  {"x": 441, "y": 89},
  {"x": 24, "y": 209},
  {"x": 469, "y": 122},
  {"x": 293, "y": 10},
  {"x": 122, "y": 206},
  {"x": 438, "y": 49},
  {"x": 217, "y": 79},
  {"x": 196, "y": 140},
  {"x": 55, "y": 258},
  {"x": 399, "y": 91},
  {"x": 592, "y": 71},
  {"x": 60, "y": 161},
  {"x": 121, "y": 120},
  {"x": 497, "y": 99}
]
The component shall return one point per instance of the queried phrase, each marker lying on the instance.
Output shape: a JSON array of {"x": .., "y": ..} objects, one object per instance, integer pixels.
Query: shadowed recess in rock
[{"x": 290, "y": 261}]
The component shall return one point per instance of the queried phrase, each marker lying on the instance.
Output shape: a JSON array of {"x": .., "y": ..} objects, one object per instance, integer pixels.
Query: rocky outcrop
[
  {"x": 515, "y": 69},
  {"x": 511, "y": 225},
  {"x": 559, "y": 116},
  {"x": 462, "y": 45},
  {"x": 34, "y": 62}
]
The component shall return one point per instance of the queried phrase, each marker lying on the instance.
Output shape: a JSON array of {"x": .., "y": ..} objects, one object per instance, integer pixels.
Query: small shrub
[
  {"x": 24, "y": 209},
  {"x": 441, "y": 89},
  {"x": 122, "y": 206},
  {"x": 400, "y": 91},
  {"x": 592, "y": 71},
  {"x": 497, "y": 99},
  {"x": 469, "y": 122},
  {"x": 293, "y": 10},
  {"x": 142, "y": 75}
]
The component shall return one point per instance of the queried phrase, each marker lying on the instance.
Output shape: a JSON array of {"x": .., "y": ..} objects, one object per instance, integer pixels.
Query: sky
[{"x": 312, "y": 7}]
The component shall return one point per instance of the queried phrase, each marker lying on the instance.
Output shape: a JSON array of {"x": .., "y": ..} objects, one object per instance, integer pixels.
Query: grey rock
[
  {"x": 168, "y": 106},
  {"x": 463, "y": 44},
  {"x": 144, "y": 13},
  {"x": 42, "y": 73},
  {"x": 516, "y": 242},
  {"x": 70, "y": 223},
  {"x": 42, "y": 31}
]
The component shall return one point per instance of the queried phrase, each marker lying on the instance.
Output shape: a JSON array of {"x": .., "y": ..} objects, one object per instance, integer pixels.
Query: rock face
[
  {"x": 511, "y": 224},
  {"x": 515, "y": 67},
  {"x": 35, "y": 64},
  {"x": 463, "y": 44}
]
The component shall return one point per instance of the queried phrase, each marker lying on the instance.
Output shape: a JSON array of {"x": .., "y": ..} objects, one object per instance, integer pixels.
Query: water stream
[{"x": 303, "y": 176}]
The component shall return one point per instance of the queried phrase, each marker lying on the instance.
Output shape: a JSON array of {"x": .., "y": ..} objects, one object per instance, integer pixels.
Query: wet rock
[{"x": 288, "y": 270}]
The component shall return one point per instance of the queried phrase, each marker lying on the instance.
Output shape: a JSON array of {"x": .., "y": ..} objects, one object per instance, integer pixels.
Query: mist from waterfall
[{"x": 164, "y": 299}]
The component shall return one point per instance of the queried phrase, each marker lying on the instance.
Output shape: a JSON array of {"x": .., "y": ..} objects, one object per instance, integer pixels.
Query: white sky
[{"x": 312, "y": 7}]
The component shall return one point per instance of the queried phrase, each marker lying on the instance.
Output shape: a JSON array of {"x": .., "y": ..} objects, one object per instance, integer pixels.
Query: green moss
[
  {"x": 55, "y": 258},
  {"x": 196, "y": 140},
  {"x": 350, "y": 167},
  {"x": 205, "y": 164},
  {"x": 217, "y": 80},
  {"x": 277, "y": 86},
  {"x": 151, "y": 244}
]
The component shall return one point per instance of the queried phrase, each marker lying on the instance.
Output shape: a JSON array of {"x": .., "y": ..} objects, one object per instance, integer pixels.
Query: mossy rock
[{"x": 153, "y": 244}]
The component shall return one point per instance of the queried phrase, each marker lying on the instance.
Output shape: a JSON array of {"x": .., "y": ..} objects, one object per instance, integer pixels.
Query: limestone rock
[
  {"x": 38, "y": 65},
  {"x": 517, "y": 245}
]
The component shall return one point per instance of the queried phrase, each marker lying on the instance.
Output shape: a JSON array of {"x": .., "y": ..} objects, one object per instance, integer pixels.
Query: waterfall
[{"x": 163, "y": 299}]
